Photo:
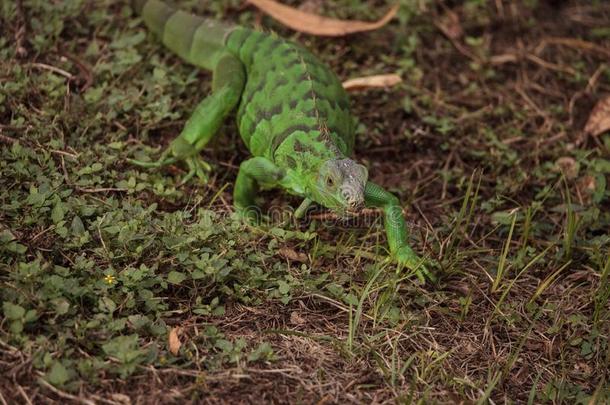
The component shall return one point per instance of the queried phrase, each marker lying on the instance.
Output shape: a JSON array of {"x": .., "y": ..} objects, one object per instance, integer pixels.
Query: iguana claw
[
  {"x": 405, "y": 256},
  {"x": 197, "y": 166},
  {"x": 163, "y": 160},
  {"x": 251, "y": 215}
]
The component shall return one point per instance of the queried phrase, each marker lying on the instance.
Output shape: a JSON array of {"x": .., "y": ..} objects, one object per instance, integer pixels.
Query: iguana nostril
[{"x": 347, "y": 196}]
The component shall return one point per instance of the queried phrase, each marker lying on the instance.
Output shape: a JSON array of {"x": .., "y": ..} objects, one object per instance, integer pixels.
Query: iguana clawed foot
[
  {"x": 196, "y": 164},
  {"x": 405, "y": 256},
  {"x": 199, "y": 167},
  {"x": 163, "y": 160},
  {"x": 247, "y": 214},
  {"x": 252, "y": 215}
]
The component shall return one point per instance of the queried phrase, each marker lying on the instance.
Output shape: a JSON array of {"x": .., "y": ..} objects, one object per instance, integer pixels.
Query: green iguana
[{"x": 292, "y": 113}]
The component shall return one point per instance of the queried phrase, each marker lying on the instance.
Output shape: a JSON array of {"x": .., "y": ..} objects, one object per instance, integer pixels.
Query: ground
[{"x": 107, "y": 269}]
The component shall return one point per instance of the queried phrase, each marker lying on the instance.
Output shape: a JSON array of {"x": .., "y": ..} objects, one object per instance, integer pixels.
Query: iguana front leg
[
  {"x": 396, "y": 228},
  {"x": 227, "y": 86},
  {"x": 302, "y": 208},
  {"x": 253, "y": 173}
]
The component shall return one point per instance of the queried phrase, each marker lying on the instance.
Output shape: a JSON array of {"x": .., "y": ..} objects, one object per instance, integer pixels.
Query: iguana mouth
[{"x": 352, "y": 212}]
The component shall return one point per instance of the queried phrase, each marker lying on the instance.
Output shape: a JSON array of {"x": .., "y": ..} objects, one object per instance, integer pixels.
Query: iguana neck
[
  {"x": 302, "y": 154},
  {"x": 306, "y": 152}
]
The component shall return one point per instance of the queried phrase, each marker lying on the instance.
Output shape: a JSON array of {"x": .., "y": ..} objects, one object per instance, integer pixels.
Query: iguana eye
[{"x": 330, "y": 182}]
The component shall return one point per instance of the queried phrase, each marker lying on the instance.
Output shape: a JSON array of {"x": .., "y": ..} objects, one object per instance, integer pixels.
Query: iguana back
[{"x": 292, "y": 104}]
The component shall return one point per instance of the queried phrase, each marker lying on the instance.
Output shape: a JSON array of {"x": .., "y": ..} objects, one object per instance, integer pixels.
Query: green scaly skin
[{"x": 292, "y": 113}]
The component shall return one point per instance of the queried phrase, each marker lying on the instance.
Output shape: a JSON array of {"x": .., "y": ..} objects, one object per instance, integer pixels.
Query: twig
[
  {"x": 39, "y": 234},
  {"x": 549, "y": 65},
  {"x": 2, "y": 399},
  {"x": 63, "y": 169},
  {"x": 84, "y": 69},
  {"x": 64, "y": 394},
  {"x": 504, "y": 58},
  {"x": 514, "y": 58},
  {"x": 531, "y": 103},
  {"x": 99, "y": 232},
  {"x": 500, "y": 8},
  {"x": 23, "y": 394},
  {"x": 62, "y": 152},
  {"x": 11, "y": 128},
  {"x": 21, "y": 33},
  {"x": 101, "y": 190},
  {"x": 273, "y": 370},
  {"x": 108, "y": 401},
  {"x": 337, "y": 304},
  {"x": 53, "y": 69},
  {"x": 458, "y": 45},
  {"x": 591, "y": 83},
  {"x": 573, "y": 43},
  {"x": 595, "y": 77},
  {"x": 7, "y": 139}
]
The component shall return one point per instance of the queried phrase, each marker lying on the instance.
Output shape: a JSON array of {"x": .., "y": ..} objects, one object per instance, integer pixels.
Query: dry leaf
[
  {"x": 291, "y": 254},
  {"x": 361, "y": 83},
  {"x": 599, "y": 119},
  {"x": 121, "y": 398},
  {"x": 174, "y": 340},
  {"x": 317, "y": 25},
  {"x": 568, "y": 166},
  {"x": 587, "y": 186},
  {"x": 296, "y": 319}
]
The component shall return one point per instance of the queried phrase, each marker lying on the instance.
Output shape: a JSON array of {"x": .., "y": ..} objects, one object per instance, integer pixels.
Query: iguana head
[{"x": 339, "y": 185}]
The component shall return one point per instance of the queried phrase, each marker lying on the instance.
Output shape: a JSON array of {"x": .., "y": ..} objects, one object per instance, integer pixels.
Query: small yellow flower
[{"x": 109, "y": 279}]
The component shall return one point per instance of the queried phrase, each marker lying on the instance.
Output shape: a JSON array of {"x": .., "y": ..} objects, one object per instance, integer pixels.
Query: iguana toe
[{"x": 405, "y": 256}]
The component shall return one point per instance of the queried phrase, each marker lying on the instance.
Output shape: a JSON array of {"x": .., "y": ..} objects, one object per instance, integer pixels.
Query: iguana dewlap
[{"x": 292, "y": 113}]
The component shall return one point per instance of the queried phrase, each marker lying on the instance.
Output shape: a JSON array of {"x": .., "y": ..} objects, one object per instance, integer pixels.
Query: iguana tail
[{"x": 197, "y": 40}]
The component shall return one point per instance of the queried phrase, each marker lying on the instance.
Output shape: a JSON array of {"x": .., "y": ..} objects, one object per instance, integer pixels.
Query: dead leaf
[
  {"x": 368, "y": 82},
  {"x": 174, "y": 340},
  {"x": 568, "y": 166},
  {"x": 450, "y": 25},
  {"x": 599, "y": 119},
  {"x": 317, "y": 25},
  {"x": 291, "y": 254},
  {"x": 584, "y": 368},
  {"x": 121, "y": 399},
  {"x": 587, "y": 186},
  {"x": 296, "y": 319}
]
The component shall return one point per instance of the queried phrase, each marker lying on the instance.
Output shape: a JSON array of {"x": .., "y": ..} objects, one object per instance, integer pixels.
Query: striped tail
[{"x": 197, "y": 40}]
